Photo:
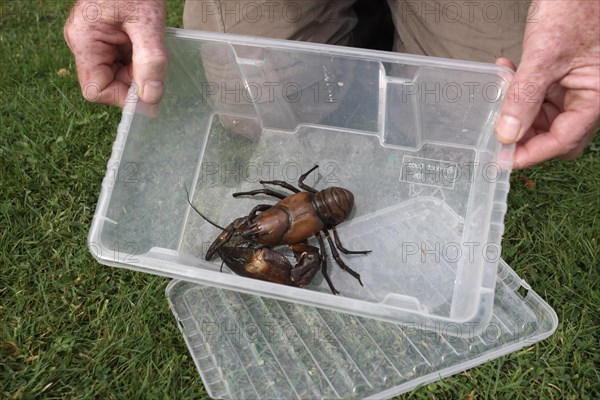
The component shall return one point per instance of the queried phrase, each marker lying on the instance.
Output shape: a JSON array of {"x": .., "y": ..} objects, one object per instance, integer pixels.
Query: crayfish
[{"x": 291, "y": 221}]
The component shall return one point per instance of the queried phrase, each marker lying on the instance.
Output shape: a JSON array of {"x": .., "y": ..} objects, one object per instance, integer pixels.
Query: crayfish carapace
[{"x": 246, "y": 244}]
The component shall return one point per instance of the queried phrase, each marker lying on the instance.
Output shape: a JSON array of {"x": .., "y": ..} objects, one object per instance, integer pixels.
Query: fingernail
[
  {"x": 508, "y": 128},
  {"x": 153, "y": 91}
]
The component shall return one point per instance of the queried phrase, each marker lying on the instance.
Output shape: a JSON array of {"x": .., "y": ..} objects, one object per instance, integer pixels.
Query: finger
[
  {"x": 97, "y": 73},
  {"x": 573, "y": 154},
  {"x": 114, "y": 93},
  {"x": 96, "y": 61},
  {"x": 569, "y": 134},
  {"x": 543, "y": 121},
  {"x": 522, "y": 103},
  {"x": 506, "y": 62},
  {"x": 149, "y": 58}
]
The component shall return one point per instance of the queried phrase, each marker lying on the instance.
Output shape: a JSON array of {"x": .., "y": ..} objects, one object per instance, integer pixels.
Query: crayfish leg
[
  {"x": 324, "y": 263},
  {"x": 339, "y": 261},
  {"x": 309, "y": 263}
]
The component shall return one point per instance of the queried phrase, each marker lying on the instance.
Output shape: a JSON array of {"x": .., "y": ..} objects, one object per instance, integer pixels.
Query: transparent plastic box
[
  {"x": 411, "y": 137},
  {"x": 248, "y": 347}
]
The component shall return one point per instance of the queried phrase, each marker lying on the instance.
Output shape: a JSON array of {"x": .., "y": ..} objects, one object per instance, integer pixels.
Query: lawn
[{"x": 71, "y": 328}]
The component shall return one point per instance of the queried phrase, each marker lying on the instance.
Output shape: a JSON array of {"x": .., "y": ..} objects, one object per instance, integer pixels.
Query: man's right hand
[{"x": 116, "y": 43}]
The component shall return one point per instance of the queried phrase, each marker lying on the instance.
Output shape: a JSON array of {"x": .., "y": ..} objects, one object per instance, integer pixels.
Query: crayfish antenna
[{"x": 199, "y": 213}]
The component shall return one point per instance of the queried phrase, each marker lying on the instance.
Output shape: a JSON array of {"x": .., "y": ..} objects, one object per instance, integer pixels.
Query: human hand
[
  {"x": 116, "y": 43},
  {"x": 553, "y": 105}
]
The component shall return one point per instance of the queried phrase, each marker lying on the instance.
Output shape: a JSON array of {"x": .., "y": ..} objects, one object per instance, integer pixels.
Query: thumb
[
  {"x": 522, "y": 103},
  {"x": 148, "y": 60}
]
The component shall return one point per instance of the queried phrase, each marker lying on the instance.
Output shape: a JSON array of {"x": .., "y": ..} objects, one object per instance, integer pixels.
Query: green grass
[{"x": 71, "y": 328}]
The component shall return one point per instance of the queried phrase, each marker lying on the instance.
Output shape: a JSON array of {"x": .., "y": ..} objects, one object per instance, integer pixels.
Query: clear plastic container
[
  {"x": 248, "y": 347},
  {"x": 411, "y": 137}
]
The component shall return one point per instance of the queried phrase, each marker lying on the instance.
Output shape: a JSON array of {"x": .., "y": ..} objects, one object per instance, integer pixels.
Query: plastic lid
[{"x": 245, "y": 346}]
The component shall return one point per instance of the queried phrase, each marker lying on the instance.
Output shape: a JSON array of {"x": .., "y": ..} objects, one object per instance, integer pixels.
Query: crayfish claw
[{"x": 263, "y": 264}]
